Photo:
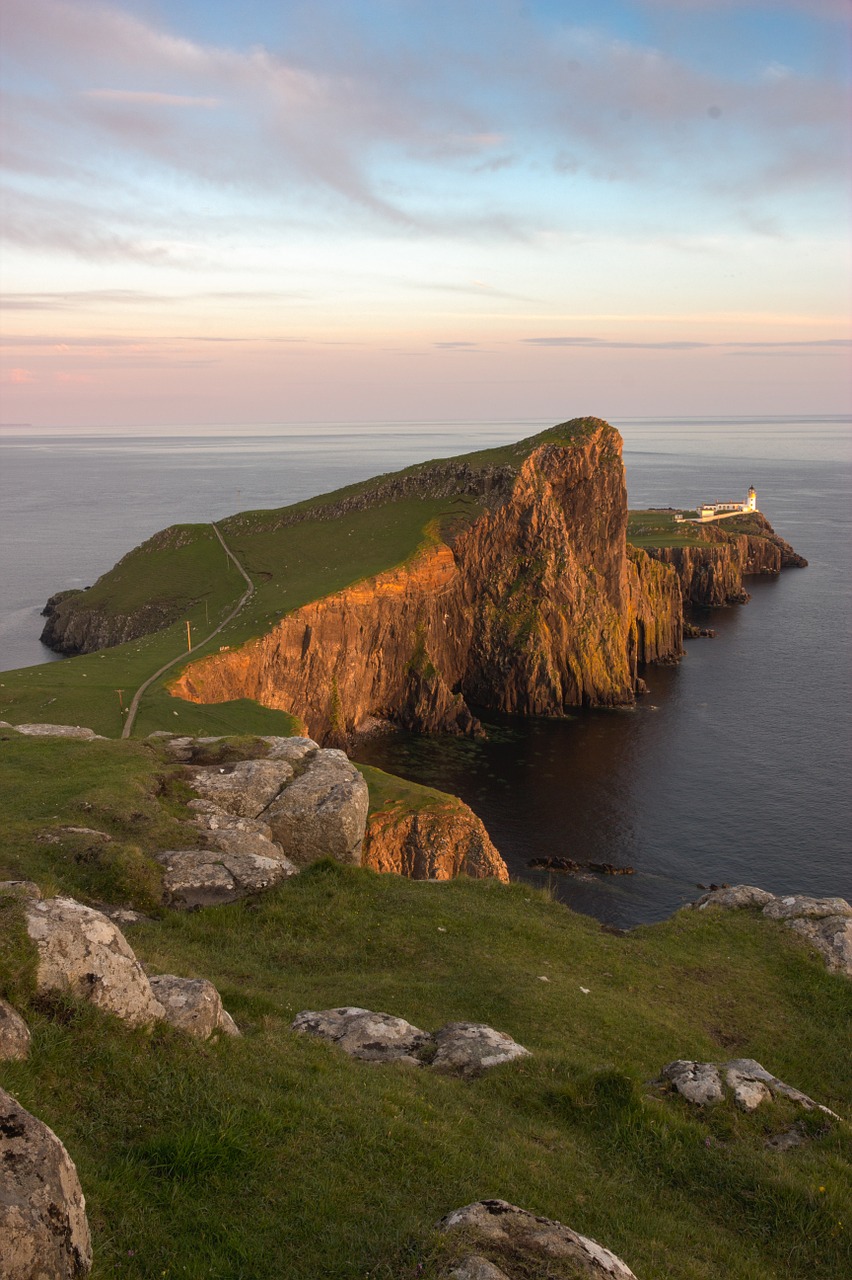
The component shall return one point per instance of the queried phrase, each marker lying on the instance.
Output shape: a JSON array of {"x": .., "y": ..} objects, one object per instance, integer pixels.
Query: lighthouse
[{"x": 750, "y": 503}]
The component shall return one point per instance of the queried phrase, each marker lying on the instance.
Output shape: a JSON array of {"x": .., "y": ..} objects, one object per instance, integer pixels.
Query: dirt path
[{"x": 246, "y": 596}]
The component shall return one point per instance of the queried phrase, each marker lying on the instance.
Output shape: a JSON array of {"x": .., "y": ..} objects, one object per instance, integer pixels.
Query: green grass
[
  {"x": 276, "y": 1155},
  {"x": 388, "y": 792},
  {"x": 658, "y": 529}
]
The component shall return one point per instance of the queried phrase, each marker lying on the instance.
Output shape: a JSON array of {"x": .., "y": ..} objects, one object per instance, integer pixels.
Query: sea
[{"x": 734, "y": 768}]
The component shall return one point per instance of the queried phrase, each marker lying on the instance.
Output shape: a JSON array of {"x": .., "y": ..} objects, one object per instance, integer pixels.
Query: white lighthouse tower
[{"x": 750, "y": 503}]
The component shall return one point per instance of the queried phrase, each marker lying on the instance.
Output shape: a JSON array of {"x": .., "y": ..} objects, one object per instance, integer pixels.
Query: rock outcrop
[
  {"x": 712, "y": 574},
  {"x": 44, "y": 1232},
  {"x": 826, "y": 923},
  {"x": 532, "y": 608},
  {"x": 14, "y": 1034},
  {"x": 749, "y": 1084},
  {"x": 437, "y": 843},
  {"x": 57, "y": 731},
  {"x": 207, "y": 878},
  {"x": 525, "y": 1244},
  {"x": 459, "y": 1048},
  {"x": 81, "y": 951}
]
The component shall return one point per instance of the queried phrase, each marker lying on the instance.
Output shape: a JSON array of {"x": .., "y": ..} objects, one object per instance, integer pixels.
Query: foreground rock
[
  {"x": 57, "y": 731},
  {"x": 193, "y": 1005},
  {"x": 323, "y": 813},
  {"x": 459, "y": 1048},
  {"x": 749, "y": 1083},
  {"x": 81, "y": 951},
  {"x": 826, "y": 923},
  {"x": 14, "y": 1034},
  {"x": 209, "y": 878},
  {"x": 44, "y": 1233},
  {"x": 525, "y": 1245},
  {"x": 469, "y": 1048},
  {"x": 373, "y": 1037}
]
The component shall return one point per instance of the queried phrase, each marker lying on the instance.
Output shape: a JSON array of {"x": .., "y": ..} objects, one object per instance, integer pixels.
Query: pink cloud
[
  {"x": 151, "y": 98},
  {"x": 18, "y": 376}
]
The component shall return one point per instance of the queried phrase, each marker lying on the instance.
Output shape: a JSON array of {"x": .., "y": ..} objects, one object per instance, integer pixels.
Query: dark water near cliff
[{"x": 735, "y": 767}]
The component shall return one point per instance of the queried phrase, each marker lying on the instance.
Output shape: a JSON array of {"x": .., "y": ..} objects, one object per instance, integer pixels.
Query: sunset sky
[{"x": 356, "y": 210}]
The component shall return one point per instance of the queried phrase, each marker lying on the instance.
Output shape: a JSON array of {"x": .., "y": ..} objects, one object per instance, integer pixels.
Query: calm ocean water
[{"x": 735, "y": 768}]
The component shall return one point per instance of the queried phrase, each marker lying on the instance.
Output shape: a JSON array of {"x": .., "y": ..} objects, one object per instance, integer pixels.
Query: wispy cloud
[
  {"x": 150, "y": 98},
  {"x": 674, "y": 344}
]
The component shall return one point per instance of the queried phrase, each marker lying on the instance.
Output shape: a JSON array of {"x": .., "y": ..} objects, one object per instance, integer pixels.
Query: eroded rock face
[
  {"x": 826, "y": 923},
  {"x": 193, "y": 1005},
  {"x": 82, "y": 952},
  {"x": 531, "y": 1242},
  {"x": 373, "y": 1037},
  {"x": 209, "y": 877},
  {"x": 44, "y": 1232},
  {"x": 434, "y": 844},
  {"x": 469, "y": 1048},
  {"x": 14, "y": 1034},
  {"x": 322, "y": 813},
  {"x": 749, "y": 1083},
  {"x": 459, "y": 1048},
  {"x": 531, "y": 610}
]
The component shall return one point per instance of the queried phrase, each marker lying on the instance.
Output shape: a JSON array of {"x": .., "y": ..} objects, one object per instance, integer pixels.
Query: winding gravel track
[{"x": 246, "y": 596}]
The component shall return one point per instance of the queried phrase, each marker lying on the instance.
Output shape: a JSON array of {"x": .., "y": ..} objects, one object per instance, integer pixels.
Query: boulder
[
  {"x": 193, "y": 1005},
  {"x": 44, "y": 1233},
  {"x": 749, "y": 1082},
  {"x": 373, "y": 1037},
  {"x": 20, "y": 888},
  {"x": 244, "y": 788},
  {"x": 251, "y": 843},
  {"x": 323, "y": 812},
  {"x": 207, "y": 878},
  {"x": 797, "y": 906},
  {"x": 14, "y": 1034},
  {"x": 57, "y": 731},
  {"x": 528, "y": 1244},
  {"x": 477, "y": 1268},
  {"x": 82, "y": 952},
  {"x": 737, "y": 895},
  {"x": 698, "y": 1082},
  {"x": 209, "y": 817},
  {"x": 832, "y": 937},
  {"x": 469, "y": 1048},
  {"x": 296, "y": 751}
]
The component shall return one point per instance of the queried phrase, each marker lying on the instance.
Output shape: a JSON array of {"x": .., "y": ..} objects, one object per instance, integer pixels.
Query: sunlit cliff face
[{"x": 353, "y": 212}]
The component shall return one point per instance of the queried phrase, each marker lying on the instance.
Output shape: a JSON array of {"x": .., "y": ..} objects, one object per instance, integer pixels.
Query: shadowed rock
[
  {"x": 14, "y": 1034},
  {"x": 20, "y": 888},
  {"x": 477, "y": 1268},
  {"x": 207, "y": 877},
  {"x": 800, "y": 907},
  {"x": 738, "y": 895},
  {"x": 82, "y": 952},
  {"x": 529, "y": 1244},
  {"x": 373, "y": 1037},
  {"x": 193, "y": 1005},
  {"x": 469, "y": 1048},
  {"x": 44, "y": 1233}
]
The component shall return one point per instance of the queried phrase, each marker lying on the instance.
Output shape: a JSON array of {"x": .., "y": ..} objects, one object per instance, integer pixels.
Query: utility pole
[
  {"x": 120, "y": 693},
  {"x": 188, "y": 637}
]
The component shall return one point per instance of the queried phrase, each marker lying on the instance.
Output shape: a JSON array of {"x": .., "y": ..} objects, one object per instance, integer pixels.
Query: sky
[{"x": 415, "y": 210}]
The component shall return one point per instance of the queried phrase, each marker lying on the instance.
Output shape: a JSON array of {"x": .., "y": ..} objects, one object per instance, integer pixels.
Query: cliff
[
  {"x": 437, "y": 843},
  {"x": 712, "y": 574},
  {"x": 531, "y": 606}
]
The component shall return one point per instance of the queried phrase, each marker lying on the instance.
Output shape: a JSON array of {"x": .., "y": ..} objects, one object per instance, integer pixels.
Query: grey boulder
[
  {"x": 44, "y": 1232},
  {"x": 57, "y": 731},
  {"x": 323, "y": 812},
  {"x": 207, "y": 877},
  {"x": 750, "y": 1084},
  {"x": 373, "y": 1037},
  {"x": 737, "y": 895},
  {"x": 193, "y": 1005},
  {"x": 698, "y": 1082},
  {"x": 244, "y": 788},
  {"x": 826, "y": 923},
  {"x": 831, "y": 937},
  {"x": 469, "y": 1048},
  {"x": 797, "y": 906},
  {"x": 532, "y": 1243},
  {"x": 14, "y": 1034},
  {"x": 82, "y": 952}
]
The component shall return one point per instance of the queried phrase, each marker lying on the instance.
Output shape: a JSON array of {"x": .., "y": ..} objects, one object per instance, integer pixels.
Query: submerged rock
[
  {"x": 44, "y": 1232},
  {"x": 527, "y": 1244}
]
